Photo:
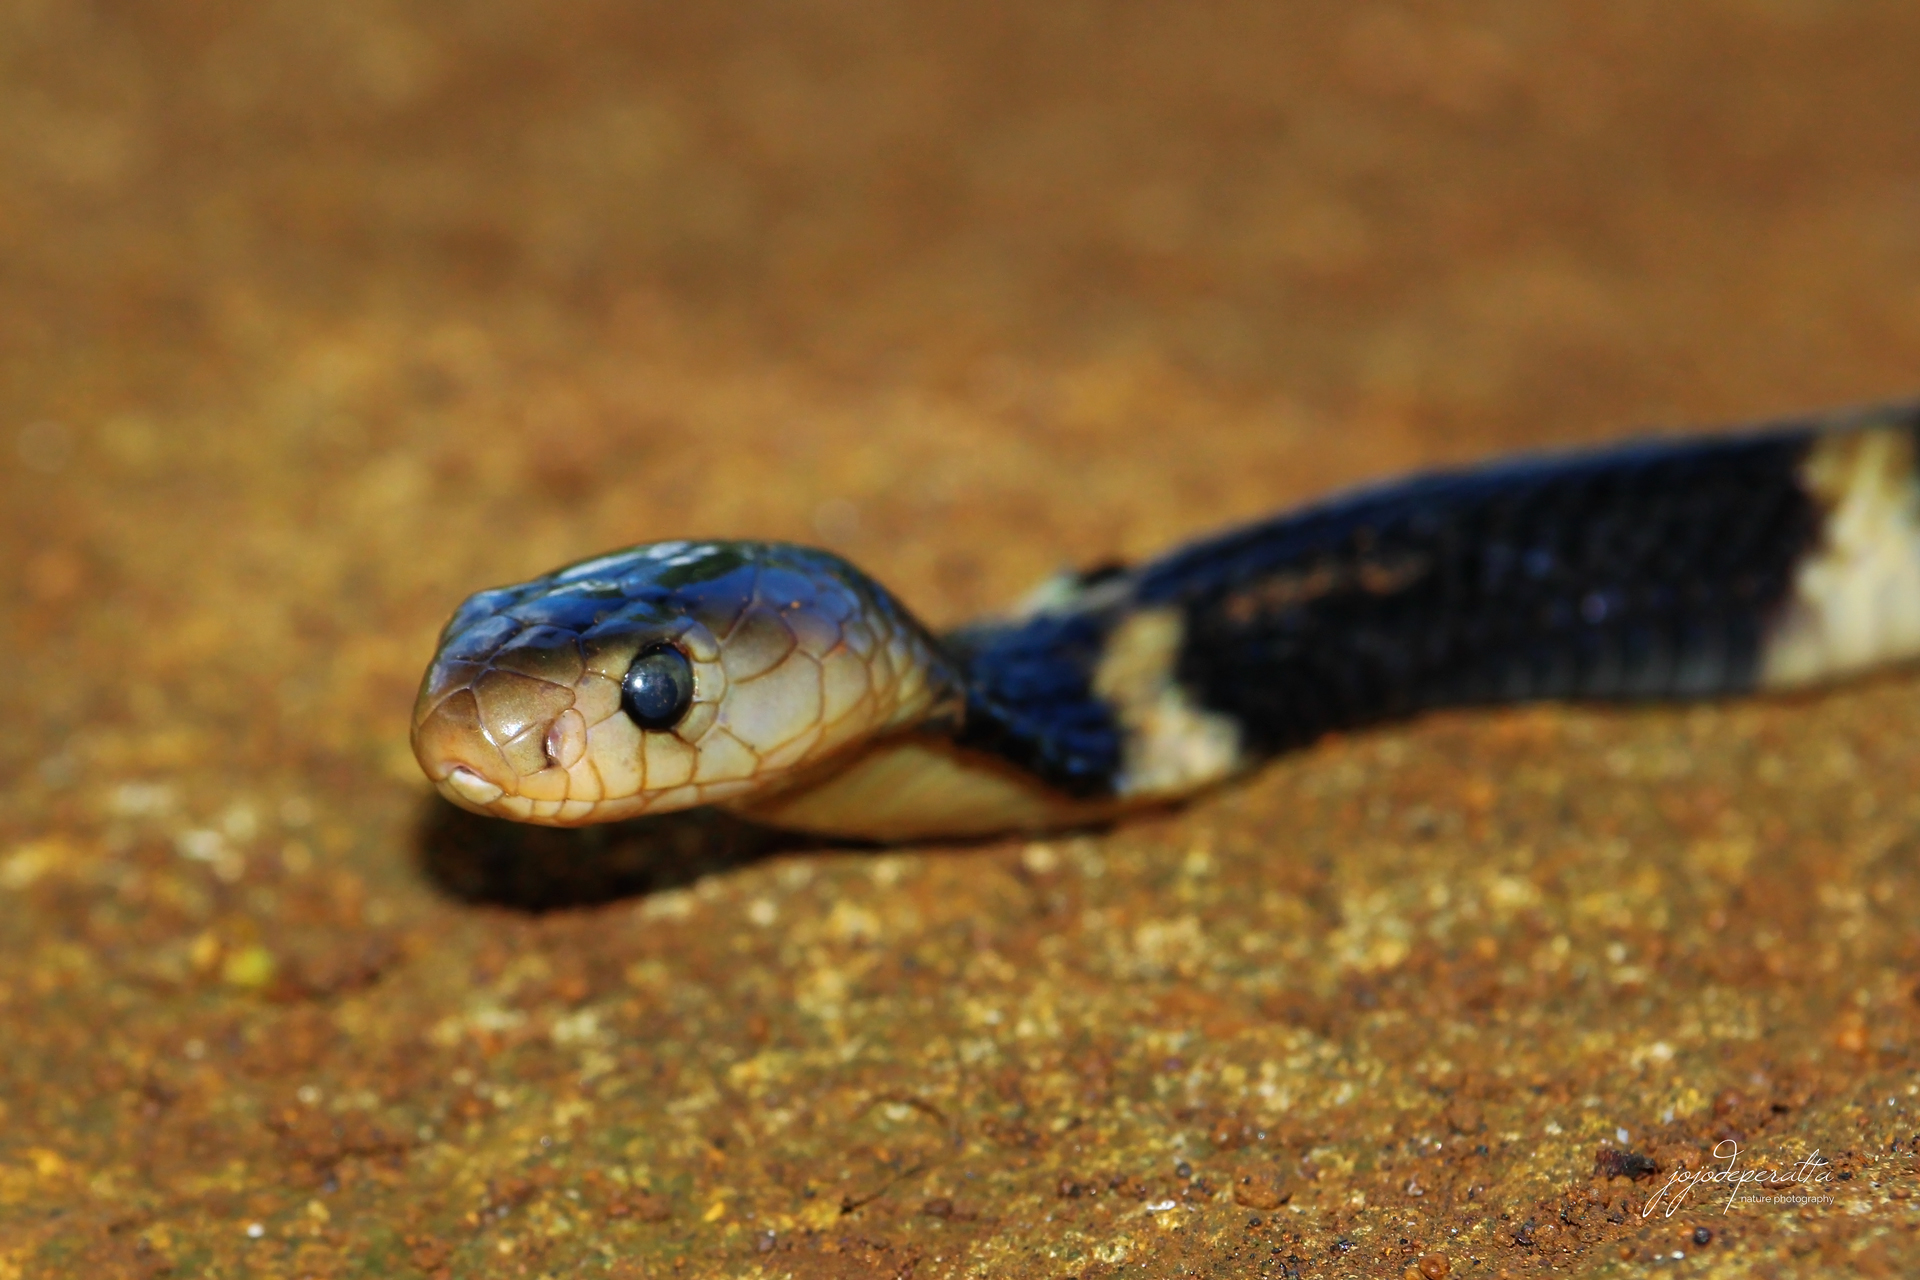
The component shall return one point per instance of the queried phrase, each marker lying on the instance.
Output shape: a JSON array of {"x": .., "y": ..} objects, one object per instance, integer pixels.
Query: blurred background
[
  {"x": 319, "y": 316},
  {"x": 314, "y": 318}
]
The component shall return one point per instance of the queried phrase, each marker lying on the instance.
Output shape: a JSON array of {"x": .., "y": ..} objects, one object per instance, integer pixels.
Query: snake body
[{"x": 781, "y": 682}]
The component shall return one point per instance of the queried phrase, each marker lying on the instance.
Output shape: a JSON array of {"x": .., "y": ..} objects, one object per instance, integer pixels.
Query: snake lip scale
[{"x": 781, "y": 682}]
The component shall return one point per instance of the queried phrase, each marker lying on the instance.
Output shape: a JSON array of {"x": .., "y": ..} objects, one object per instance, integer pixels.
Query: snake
[{"x": 782, "y": 683}]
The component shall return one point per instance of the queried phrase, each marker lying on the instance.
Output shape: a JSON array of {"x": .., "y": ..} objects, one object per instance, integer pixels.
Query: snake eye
[{"x": 658, "y": 688}]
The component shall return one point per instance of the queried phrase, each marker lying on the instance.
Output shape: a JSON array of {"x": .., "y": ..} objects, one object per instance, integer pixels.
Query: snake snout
[
  {"x": 452, "y": 744},
  {"x": 489, "y": 733}
]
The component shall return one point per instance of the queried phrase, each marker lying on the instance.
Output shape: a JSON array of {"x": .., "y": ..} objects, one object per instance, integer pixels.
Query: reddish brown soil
[{"x": 315, "y": 317}]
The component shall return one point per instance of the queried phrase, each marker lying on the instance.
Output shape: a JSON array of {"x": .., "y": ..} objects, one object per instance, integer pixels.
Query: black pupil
[{"x": 658, "y": 688}]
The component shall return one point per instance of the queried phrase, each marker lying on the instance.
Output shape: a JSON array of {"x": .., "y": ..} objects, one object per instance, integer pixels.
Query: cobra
[{"x": 781, "y": 682}]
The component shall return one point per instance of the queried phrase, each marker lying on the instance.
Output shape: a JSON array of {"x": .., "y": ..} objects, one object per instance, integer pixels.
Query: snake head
[{"x": 668, "y": 676}]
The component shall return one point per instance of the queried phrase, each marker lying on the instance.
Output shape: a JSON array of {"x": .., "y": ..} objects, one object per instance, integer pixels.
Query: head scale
[{"x": 668, "y": 676}]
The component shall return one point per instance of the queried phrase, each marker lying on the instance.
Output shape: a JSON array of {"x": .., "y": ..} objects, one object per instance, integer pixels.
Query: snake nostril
[{"x": 567, "y": 738}]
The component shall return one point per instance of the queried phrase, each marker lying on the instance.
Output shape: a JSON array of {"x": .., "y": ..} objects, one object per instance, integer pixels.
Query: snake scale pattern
[{"x": 783, "y": 683}]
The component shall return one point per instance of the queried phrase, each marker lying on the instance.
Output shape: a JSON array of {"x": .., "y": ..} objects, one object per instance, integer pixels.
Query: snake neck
[
  {"x": 1069, "y": 714},
  {"x": 1081, "y": 690}
]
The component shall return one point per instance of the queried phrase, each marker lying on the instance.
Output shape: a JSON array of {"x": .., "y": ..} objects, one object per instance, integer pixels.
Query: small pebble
[
  {"x": 255, "y": 1230},
  {"x": 1435, "y": 1266},
  {"x": 1702, "y": 1235}
]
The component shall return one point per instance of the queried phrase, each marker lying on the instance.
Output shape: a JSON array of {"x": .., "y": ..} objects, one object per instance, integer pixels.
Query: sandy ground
[{"x": 314, "y": 318}]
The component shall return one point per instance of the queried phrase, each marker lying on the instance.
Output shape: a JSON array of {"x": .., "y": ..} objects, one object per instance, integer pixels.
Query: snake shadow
[{"x": 535, "y": 869}]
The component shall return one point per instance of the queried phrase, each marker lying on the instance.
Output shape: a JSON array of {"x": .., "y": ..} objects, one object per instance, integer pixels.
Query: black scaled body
[{"x": 1650, "y": 570}]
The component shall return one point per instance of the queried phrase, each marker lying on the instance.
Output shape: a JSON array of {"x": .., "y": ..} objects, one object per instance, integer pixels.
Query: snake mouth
[{"x": 471, "y": 787}]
